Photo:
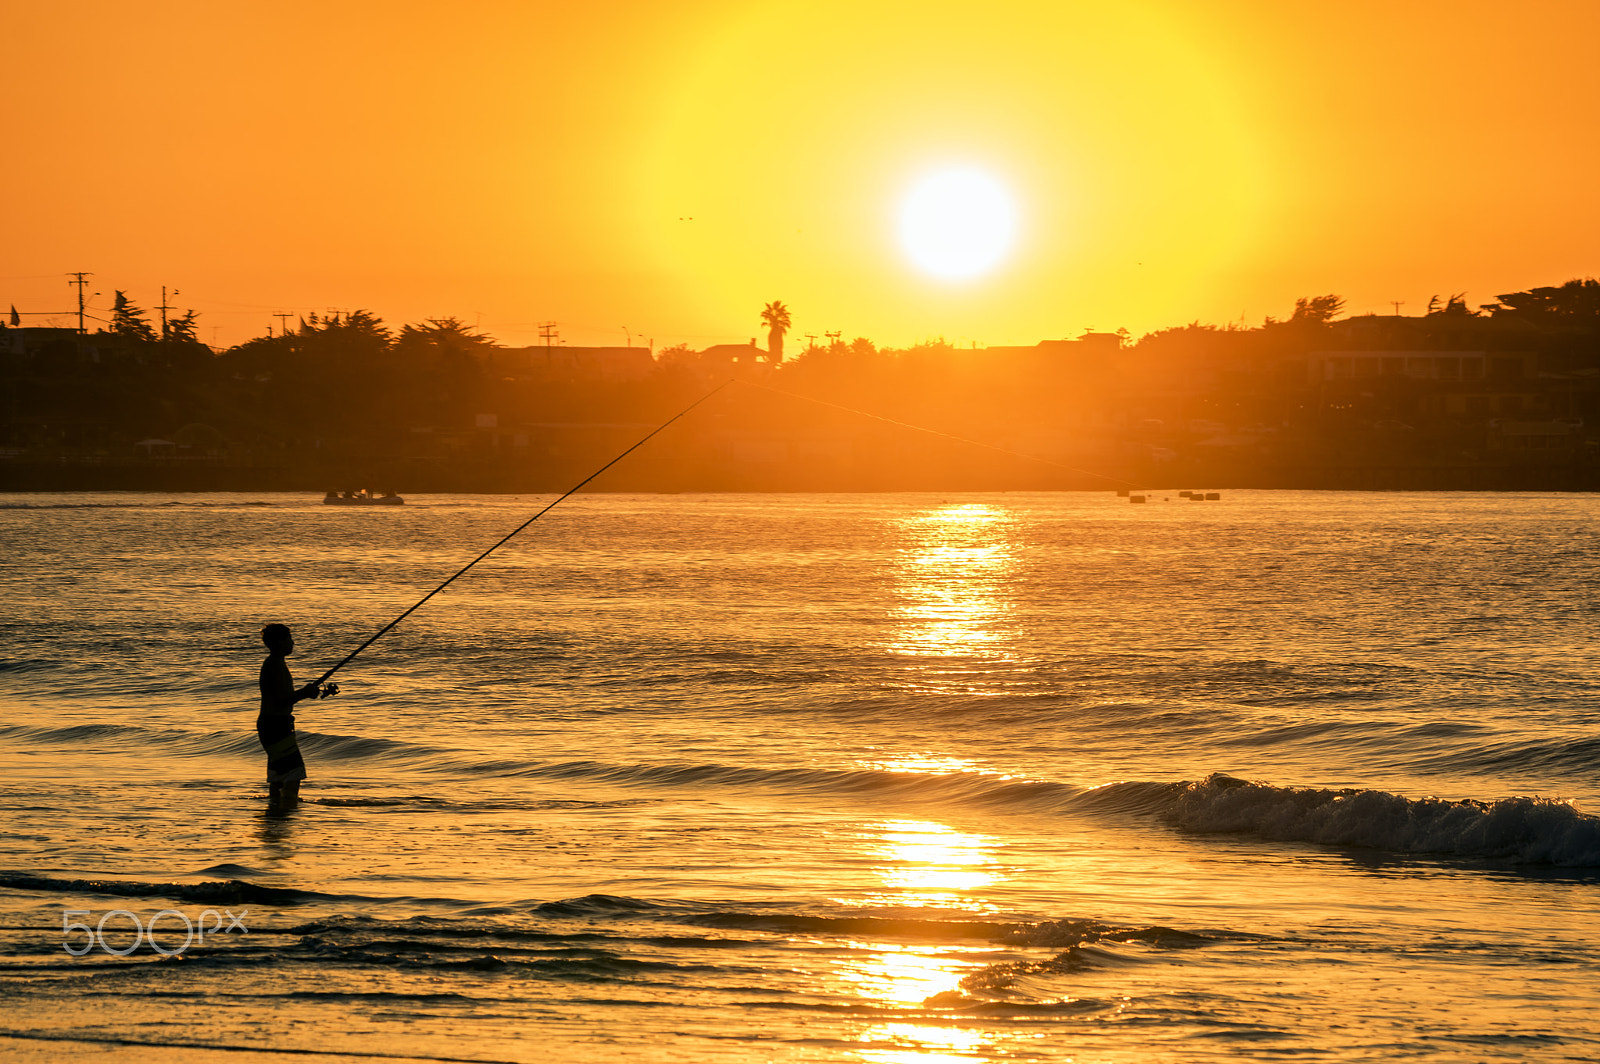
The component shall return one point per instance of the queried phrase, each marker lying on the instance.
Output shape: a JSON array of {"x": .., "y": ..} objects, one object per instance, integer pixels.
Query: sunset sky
[{"x": 660, "y": 170}]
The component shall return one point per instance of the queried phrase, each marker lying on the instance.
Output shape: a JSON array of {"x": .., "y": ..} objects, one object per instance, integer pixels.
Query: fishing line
[
  {"x": 656, "y": 431},
  {"x": 571, "y": 491},
  {"x": 949, "y": 436}
]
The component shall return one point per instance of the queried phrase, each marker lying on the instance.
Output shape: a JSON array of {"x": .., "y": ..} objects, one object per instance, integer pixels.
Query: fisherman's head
[{"x": 278, "y": 638}]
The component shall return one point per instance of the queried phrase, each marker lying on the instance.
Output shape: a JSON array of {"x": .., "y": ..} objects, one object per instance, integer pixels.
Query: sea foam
[{"x": 1521, "y": 830}]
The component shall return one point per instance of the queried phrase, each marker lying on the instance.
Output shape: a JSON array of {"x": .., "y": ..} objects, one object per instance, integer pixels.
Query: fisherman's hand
[{"x": 310, "y": 690}]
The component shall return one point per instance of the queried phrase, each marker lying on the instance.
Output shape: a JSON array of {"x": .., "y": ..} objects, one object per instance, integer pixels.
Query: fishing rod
[
  {"x": 947, "y": 435},
  {"x": 505, "y": 539}
]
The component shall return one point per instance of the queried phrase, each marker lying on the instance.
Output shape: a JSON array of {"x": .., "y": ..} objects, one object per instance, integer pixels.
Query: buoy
[
  {"x": 1213, "y": 496},
  {"x": 1185, "y": 494}
]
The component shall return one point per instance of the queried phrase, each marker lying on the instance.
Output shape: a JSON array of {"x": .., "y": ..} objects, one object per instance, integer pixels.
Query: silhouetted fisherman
[{"x": 275, "y": 726}]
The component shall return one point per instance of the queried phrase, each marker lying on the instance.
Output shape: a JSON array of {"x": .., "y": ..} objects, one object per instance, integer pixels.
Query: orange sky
[{"x": 513, "y": 162}]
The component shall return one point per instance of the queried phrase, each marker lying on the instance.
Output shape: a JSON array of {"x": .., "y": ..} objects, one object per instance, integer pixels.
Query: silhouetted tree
[
  {"x": 128, "y": 321},
  {"x": 447, "y": 337},
  {"x": 1455, "y": 307},
  {"x": 359, "y": 329},
  {"x": 1577, "y": 300},
  {"x": 676, "y": 355},
  {"x": 344, "y": 353},
  {"x": 776, "y": 317},
  {"x": 183, "y": 329},
  {"x": 439, "y": 368},
  {"x": 1317, "y": 310}
]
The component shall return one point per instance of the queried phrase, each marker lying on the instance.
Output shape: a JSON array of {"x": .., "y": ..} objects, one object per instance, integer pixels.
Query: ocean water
[{"x": 863, "y": 778}]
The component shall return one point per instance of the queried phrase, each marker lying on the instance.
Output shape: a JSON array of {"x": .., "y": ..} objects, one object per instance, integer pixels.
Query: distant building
[
  {"x": 1537, "y": 441},
  {"x": 1417, "y": 365},
  {"x": 561, "y": 360},
  {"x": 1089, "y": 345},
  {"x": 1473, "y": 385},
  {"x": 732, "y": 354},
  {"x": 20, "y": 342}
]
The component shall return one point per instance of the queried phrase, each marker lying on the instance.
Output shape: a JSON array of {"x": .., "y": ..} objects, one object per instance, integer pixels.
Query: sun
[{"x": 957, "y": 223}]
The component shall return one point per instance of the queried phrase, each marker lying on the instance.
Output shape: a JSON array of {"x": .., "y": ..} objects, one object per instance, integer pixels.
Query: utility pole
[
  {"x": 283, "y": 323},
  {"x": 80, "y": 279},
  {"x": 164, "y": 308},
  {"x": 548, "y": 332},
  {"x": 1397, "y": 304}
]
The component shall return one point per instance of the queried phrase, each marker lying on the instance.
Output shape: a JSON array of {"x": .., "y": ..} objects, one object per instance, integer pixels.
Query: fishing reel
[{"x": 328, "y": 690}]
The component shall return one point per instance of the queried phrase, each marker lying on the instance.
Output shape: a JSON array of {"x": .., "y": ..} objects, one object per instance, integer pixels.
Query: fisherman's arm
[{"x": 279, "y": 694}]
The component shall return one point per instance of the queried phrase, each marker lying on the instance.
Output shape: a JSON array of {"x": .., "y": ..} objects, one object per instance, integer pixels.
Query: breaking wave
[
  {"x": 1519, "y": 830},
  {"x": 1524, "y": 830}
]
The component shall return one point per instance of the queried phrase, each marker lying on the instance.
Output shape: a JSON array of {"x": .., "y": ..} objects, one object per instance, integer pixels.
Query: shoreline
[{"x": 66, "y": 477}]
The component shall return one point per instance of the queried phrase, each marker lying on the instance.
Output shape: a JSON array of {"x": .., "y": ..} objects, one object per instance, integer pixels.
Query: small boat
[{"x": 361, "y": 498}]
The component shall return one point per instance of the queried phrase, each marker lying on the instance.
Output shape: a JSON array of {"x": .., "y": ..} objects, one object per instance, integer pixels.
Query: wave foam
[{"x": 1521, "y": 830}]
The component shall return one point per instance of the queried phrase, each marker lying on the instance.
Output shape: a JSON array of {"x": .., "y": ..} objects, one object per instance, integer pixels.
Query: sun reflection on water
[
  {"x": 903, "y": 975},
  {"x": 928, "y": 764},
  {"x": 952, "y": 578},
  {"x": 922, "y": 864},
  {"x": 952, "y": 581},
  {"x": 923, "y": 1045},
  {"x": 928, "y": 860}
]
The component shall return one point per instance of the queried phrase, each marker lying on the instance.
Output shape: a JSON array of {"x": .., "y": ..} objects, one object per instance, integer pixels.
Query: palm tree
[{"x": 776, "y": 317}]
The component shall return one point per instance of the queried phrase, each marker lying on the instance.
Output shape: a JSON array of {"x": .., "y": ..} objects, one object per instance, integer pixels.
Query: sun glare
[{"x": 957, "y": 224}]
